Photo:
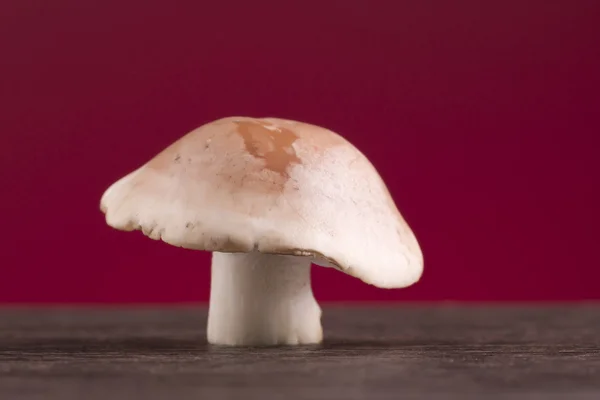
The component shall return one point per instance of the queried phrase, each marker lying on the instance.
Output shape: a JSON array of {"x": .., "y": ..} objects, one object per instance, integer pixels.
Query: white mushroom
[{"x": 269, "y": 197}]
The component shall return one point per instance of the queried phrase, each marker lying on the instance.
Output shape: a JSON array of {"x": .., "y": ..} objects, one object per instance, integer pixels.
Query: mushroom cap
[{"x": 271, "y": 185}]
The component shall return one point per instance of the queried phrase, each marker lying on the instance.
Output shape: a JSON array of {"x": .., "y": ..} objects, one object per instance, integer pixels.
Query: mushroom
[{"x": 268, "y": 197}]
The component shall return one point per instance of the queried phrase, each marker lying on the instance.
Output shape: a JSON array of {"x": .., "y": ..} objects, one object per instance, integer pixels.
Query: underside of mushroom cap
[{"x": 243, "y": 184}]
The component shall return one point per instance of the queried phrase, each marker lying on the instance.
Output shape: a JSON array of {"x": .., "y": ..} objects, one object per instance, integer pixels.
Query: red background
[{"x": 482, "y": 117}]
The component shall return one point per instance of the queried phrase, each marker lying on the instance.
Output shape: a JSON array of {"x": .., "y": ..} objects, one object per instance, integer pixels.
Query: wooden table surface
[{"x": 420, "y": 352}]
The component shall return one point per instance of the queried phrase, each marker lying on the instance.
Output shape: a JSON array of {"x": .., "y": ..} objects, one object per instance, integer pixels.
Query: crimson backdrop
[{"x": 482, "y": 117}]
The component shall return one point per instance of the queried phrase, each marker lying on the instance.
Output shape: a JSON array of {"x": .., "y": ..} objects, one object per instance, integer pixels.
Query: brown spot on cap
[{"x": 273, "y": 145}]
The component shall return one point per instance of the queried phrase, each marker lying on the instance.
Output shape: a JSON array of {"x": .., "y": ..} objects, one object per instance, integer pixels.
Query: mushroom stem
[{"x": 261, "y": 299}]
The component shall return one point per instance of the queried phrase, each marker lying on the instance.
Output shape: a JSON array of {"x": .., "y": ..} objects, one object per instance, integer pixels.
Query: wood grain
[{"x": 421, "y": 352}]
